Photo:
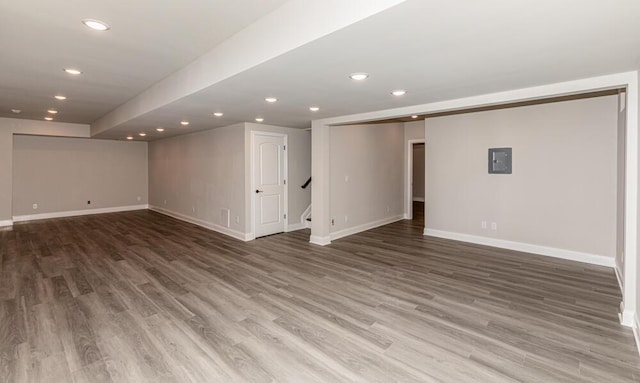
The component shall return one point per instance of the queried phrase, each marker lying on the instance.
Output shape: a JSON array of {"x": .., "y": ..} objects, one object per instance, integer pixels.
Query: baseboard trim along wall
[
  {"x": 619, "y": 277},
  {"x": 365, "y": 227},
  {"x": 207, "y": 225},
  {"x": 321, "y": 241},
  {"x": 636, "y": 328},
  {"x": 7, "y": 222},
  {"x": 75, "y": 213},
  {"x": 571, "y": 255}
]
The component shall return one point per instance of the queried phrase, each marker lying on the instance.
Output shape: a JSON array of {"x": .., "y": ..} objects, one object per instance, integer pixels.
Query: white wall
[
  {"x": 11, "y": 126},
  {"x": 196, "y": 175},
  {"x": 631, "y": 277},
  {"x": 366, "y": 176},
  {"x": 414, "y": 130},
  {"x": 562, "y": 193},
  {"x": 622, "y": 127},
  {"x": 299, "y": 170},
  {"x": 201, "y": 174},
  {"x": 62, "y": 174}
]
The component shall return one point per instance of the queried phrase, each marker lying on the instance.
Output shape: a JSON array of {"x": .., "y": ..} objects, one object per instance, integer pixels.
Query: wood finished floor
[{"x": 140, "y": 297}]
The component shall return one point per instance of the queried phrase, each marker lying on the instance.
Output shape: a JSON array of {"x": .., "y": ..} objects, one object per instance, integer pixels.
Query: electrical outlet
[
  {"x": 165, "y": 201},
  {"x": 346, "y": 178},
  {"x": 483, "y": 224},
  {"x": 193, "y": 209},
  {"x": 88, "y": 202},
  {"x": 35, "y": 206},
  {"x": 333, "y": 222},
  {"x": 346, "y": 218},
  {"x": 139, "y": 198},
  {"x": 388, "y": 209},
  {"x": 494, "y": 226},
  {"x": 237, "y": 219}
]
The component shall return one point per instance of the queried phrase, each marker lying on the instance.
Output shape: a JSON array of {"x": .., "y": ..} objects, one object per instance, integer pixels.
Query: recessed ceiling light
[
  {"x": 72, "y": 71},
  {"x": 160, "y": 129},
  {"x": 399, "y": 92},
  {"x": 52, "y": 111},
  {"x": 60, "y": 97},
  {"x": 414, "y": 116},
  {"x": 314, "y": 109},
  {"x": 96, "y": 24},
  {"x": 49, "y": 118},
  {"x": 129, "y": 137},
  {"x": 142, "y": 134},
  {"x": 359, "y": 76},
  {"x": 259, "y": 119},
  {"x": 185, "y": 123},
  {"x": 271, "y": 99},
  {"x": 218, "y": 114},
  {"x": 16, "y": 111}
]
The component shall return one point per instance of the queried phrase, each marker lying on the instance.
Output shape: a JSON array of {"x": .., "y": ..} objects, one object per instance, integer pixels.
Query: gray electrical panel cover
[{"x": 500, "y": 161}]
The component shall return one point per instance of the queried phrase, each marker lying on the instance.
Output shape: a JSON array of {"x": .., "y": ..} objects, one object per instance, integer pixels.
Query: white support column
[
  {"x": 630, "y": 293},
  {"x": 320, "y": 183}
]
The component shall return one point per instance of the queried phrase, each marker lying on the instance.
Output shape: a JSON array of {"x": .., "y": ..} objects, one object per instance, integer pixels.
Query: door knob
[{"x": 258, "y": 191}]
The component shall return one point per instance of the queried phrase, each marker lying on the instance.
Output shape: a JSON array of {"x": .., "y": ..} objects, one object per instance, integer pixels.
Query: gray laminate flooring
[{"x": 140, "y": 297}]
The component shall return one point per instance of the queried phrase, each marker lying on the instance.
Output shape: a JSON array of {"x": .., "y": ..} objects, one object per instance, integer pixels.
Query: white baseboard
[
  {"x": 7, "y": 222},
  {"x": 636, "y": 328},
  {"x": 321, "y": 241},
  {"x": 295, "y": 226},
  {"x": 365, "y": 227},
  {"x": 619, "y": 278},
  {"x": 418, "y": 199},
  {"x": 207, "y": 225},
  {"x": 571, "y": 255},
  {"x": 627, "y": 317},
  {"x": 75, "y": 213}
]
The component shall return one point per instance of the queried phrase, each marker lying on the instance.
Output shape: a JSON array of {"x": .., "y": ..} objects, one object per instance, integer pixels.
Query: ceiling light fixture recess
[
  {"x": 160, "y": 129},
  {"x": 359, "y": 76},
  {"x": 129, "y": 137},
  {"x": 142, "y": 134},
  {"x": 399, "y": 92},
  {"x": 49, "y": 118},
  {"x": 96, "y": 24},
  {"x": 414, "y": 116},
  {"x": 259, "y": 119},
  {"x": 218, "y": 114},
  {"x": 314, "y": 109},
  {"x": 271, "y": 99},
  {"x": 72, "y": 71},
  {"x": 60, "y": 97},
  {"x": 52, "y": 111},
  {"x": 185, "y": 123},
  {"x": 16, "y": 111}
]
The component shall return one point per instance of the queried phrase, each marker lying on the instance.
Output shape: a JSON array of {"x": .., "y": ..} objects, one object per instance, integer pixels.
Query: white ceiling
[
  {"x": 435, "y": 50},
  {"x": 149, "y": 40}
]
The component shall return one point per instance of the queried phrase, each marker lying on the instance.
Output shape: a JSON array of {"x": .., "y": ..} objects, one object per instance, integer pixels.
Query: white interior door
[{"x": 269, "y": 182}]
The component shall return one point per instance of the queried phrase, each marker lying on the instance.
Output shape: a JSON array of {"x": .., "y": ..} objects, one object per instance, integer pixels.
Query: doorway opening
[{"x": 415, "y": 187}]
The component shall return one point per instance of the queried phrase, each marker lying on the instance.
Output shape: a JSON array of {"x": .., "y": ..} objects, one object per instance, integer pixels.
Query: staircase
[{"x": 307, "y": 212}]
